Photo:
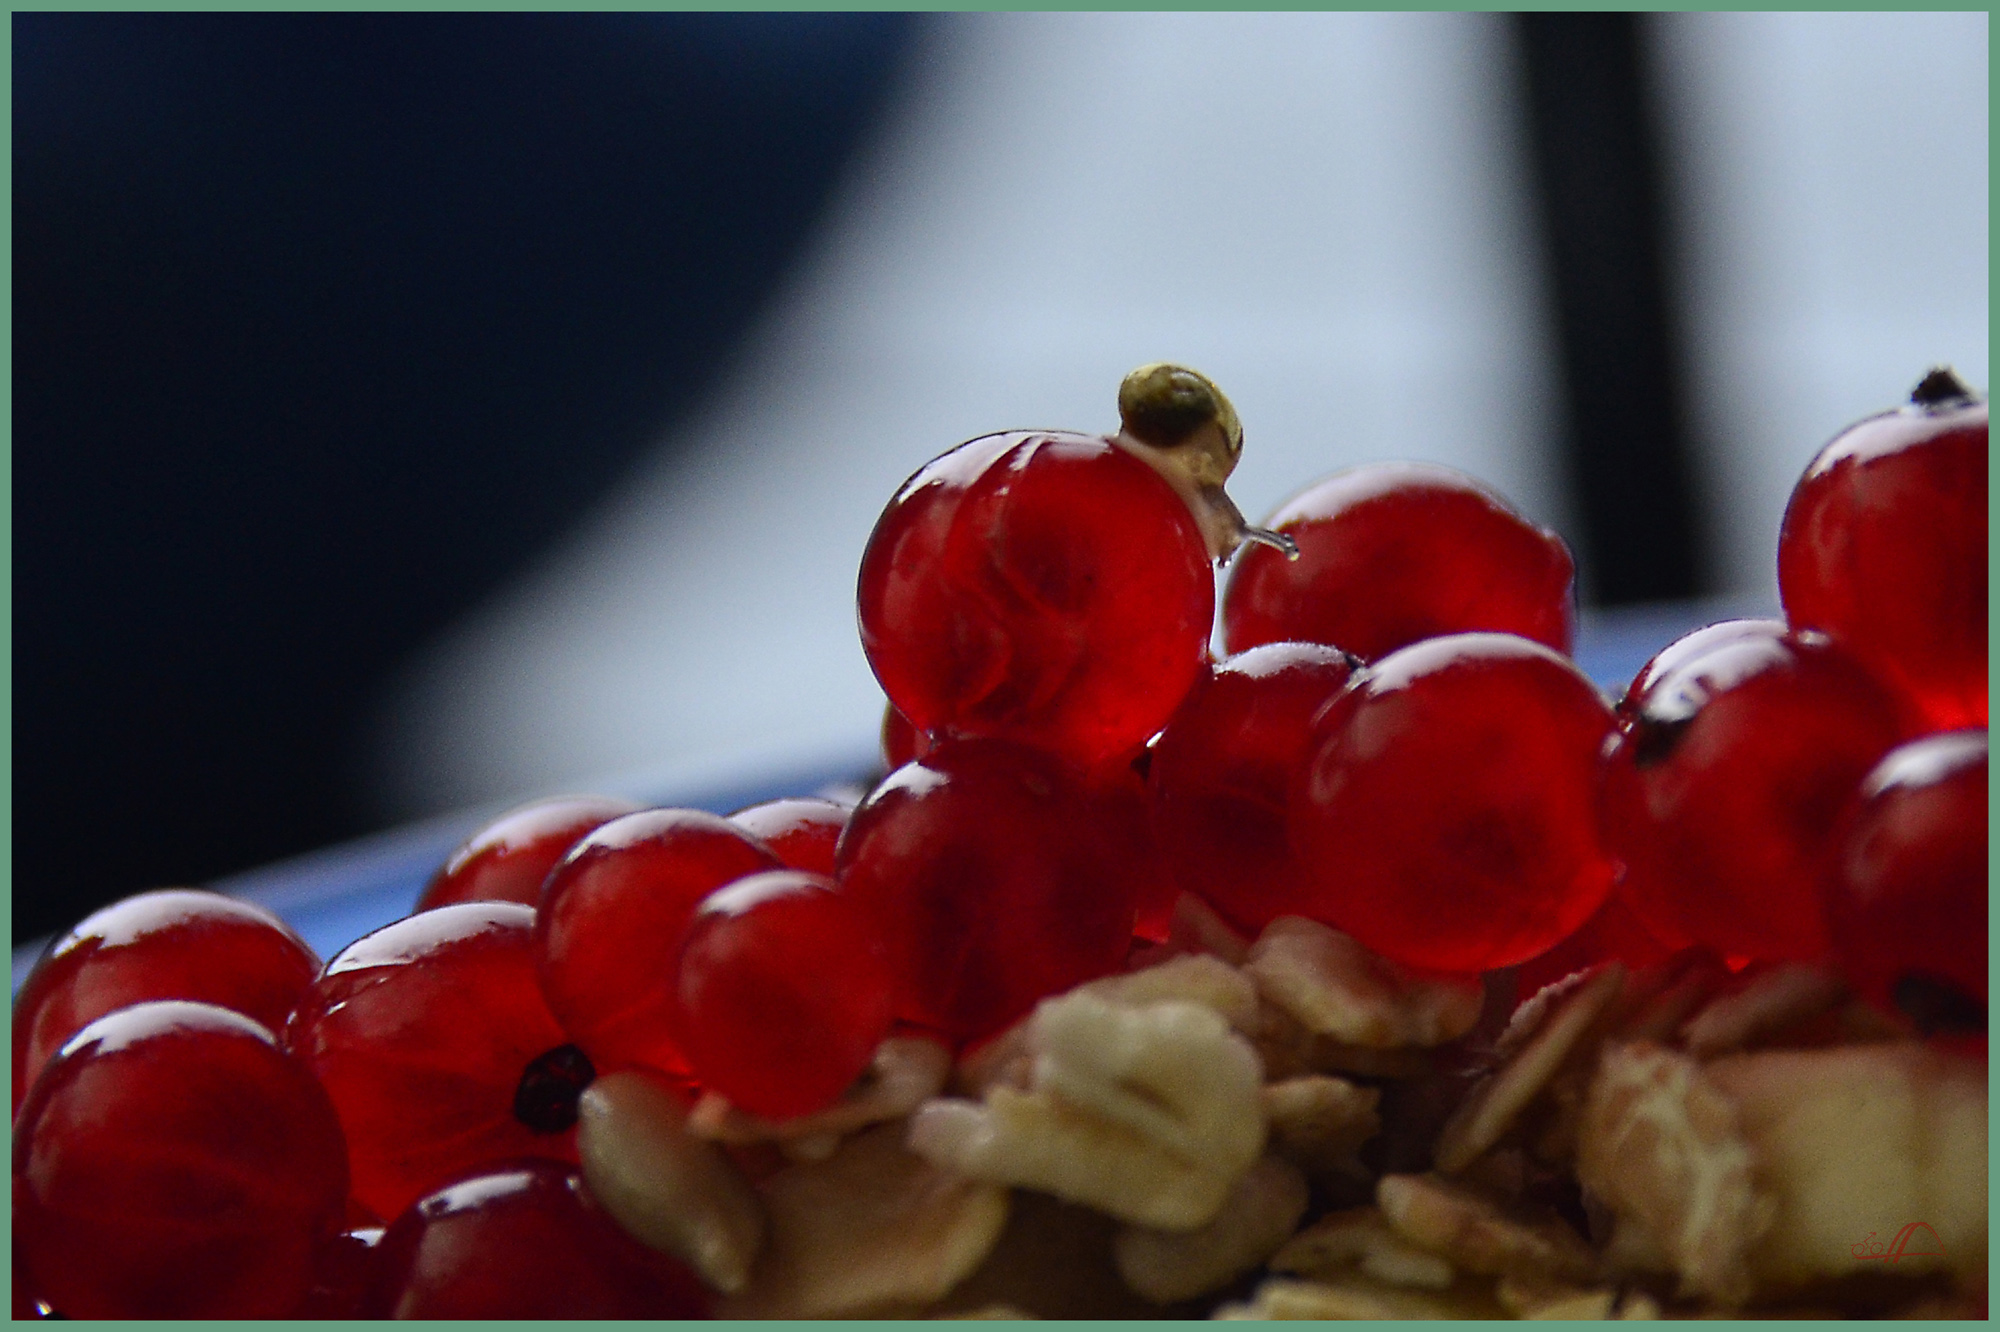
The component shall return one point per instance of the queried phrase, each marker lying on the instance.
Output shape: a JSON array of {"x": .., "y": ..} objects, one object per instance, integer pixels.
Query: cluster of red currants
[{"x": 1395, "y": 743}]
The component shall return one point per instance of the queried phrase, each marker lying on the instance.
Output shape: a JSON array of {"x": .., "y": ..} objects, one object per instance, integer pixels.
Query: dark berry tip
[
  {"x": 546, "y": 1098},
  {"x": 1939, "y": 387}
]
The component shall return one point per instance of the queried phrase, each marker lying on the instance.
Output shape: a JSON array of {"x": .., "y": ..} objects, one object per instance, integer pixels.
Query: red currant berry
[
  {"x": 901, "y": 742},
  {"x": 171, "y": 944},
  {"x": 343, "y": 1271},
  {"x": 1906, "y": 902},
  {"x": 1884, "y": 549},
  {"x": 1447, "y": 815},
  {"x": 1391, "y": 553},
  {"x": 432, "y": 1037},
  {"x": 611, "y": 921},
  {"x": 1724, "y": 782},
  {"x": 507, "y": 860},
  {"x": 1614, "y": 934},
  {"x": 995, "y": 880},
  {"x": 1224, "y": 769},
  {"x": 801, "y": 831},
  {"x": 173, "y": 1162},
  {"x": 523, "y": 1240},
  {"x": 784, "y": 993},
  {"x": 1045, "y": 587}
]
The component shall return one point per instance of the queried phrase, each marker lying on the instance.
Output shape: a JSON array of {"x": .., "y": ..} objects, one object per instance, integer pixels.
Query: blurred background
[{"x": 414, "y": 413}]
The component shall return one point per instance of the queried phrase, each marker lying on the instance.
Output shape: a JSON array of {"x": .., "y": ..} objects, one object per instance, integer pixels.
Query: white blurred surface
[
  {"x": 1831, "y": 171},
  {"x": 1325, "y": 212}
]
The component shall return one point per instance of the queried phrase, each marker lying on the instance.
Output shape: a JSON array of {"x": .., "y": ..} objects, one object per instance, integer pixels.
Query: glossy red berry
[
  {"x": 1722, "y": 788},
  {"x": 1613, "y": 934},
  {"x": 1906, "y": 900},
  {"x": 1223, "y": 771},
  {"x": 801, "y": 831},
  {"x": 1447, "y": 815},
  {"x": 432, "y": 1037},
  {"x": 173, "y": 1162},
  {"x": 611, "y": 921},
  {"x": 1043, "y": 587},
  {"x": 901, "y": 742},
  {"x": 343, "y": 1271},
  {"x": 1883, "y": 548},
  {"x": 995, "y": 879},
  {"x": 1390, "y": 553},
  {"x": 173, "y": 944},
  {"x": 523, "y": 1240},
  {"x": 507, "y": 860},
  {"x": 785, "y": 990}
]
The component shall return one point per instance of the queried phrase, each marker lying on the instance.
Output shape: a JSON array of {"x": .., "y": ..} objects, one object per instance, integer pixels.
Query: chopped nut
[
  {"x": 1337, "y": 988},
  {"x": 1857, "y": 1142},
  {"x": 1260, "y": 1211},
  {"x": 1052, "y": 1261},
  {"x": 1638, "y": 1305},
  {"x": 1495, "y": 1103},
  {"x": 1147, "y": 1113},
  {"x": 1318, "y": 1122},
  {"x": 1661, "y": 1146},
  {"x": 1527, "y": 1297},
  {"x": 1197, "y": 979},
  {"x": 1357, "y": 1297},
  {"x": 1585, "y": 1304},
  {"x": 872, "y": 1228},
  {"x": 1477, "y": 1236},
  {"x": 664, "y": 1186},
  {"x": 906, "y": 1072},
  {"x": 1781, "y": 997},
  {"x": 1359, "y": 1238},
  {"x": 990, "y": 1312}
]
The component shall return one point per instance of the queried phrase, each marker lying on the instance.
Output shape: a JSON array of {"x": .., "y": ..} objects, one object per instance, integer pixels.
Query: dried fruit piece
[
  {"x": 870, "y": 1229},
  {"x": 1661, "y": 1146},
  {"x": 1559, "y": 1024},
  {"x": 667, "y": 1188},
  {"x": 1860, "y": 1139},
  {"x": 1148, "y": 1114},
  {"x": 1336, "y": 987}
]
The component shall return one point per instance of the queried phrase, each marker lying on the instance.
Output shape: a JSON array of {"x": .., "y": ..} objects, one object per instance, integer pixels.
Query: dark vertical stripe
[{"x": 1596, "y": 168}]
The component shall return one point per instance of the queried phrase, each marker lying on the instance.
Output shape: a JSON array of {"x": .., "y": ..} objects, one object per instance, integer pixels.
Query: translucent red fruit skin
[
  {"x": 801, "y": 831},
  {"x": 173, "y": 1162},
  {"x": 610, "y": 927},
  {"x": 1906, "y": 899},
  {"x": 1724, "y": 782},
  {"x": 172, "y": 944},
  {"x": 1447, "y": 815},
  {"x": 1613, "y": 934},
  {"x": 507, "y": 860},
  {"x": 1883, "y": 548},
  {"x": 1390, "y": 553},
  {"x": 1042, "y": 587},
  {"x": 996, "y": 880},
  {"x": 901, "y": 741},
  {"x": 1223, "y": 771},
  {"x": 784, "y": 992},
  {"x": 523, "y": 1240},
  {"x": 420, "y": 1033}
]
